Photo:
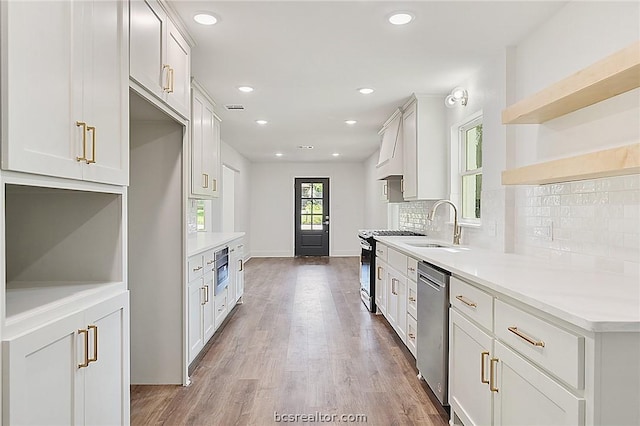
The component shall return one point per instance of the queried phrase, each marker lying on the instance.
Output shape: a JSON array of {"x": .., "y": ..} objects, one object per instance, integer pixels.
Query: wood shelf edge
[
  {"x": 611, "y": 162},
  {"x": 609, "y": 77}
]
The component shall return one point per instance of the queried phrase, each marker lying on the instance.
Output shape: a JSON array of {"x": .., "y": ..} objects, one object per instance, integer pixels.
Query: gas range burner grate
[{"x": 387, "y": 233}]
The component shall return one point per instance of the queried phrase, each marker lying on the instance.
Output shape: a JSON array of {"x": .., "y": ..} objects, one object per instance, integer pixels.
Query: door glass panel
[
  {"x": 317, "y": 222},
  {"x": 306, "y": 190},
  {"x": 306, "y": 206},
  {"x": 305, "y": 222},
  {"x": 317, "y": 190},
  {"x": 317, "y": 207}
]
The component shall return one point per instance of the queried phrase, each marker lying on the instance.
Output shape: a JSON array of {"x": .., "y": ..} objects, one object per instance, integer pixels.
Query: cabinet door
[
  {"x": 410, "y": 152},
  {"x": 195, "y": 296},
  {"x": 392, "y": 298},
  {"x": 240, "y": 272},
  {"x": 106, "y": 92},
  {"x": 107, "y": 378},
  {"x": 401, "y": 321},
  {"x": 527, "y": 396},
  {"x": 147, "y": 51},
  {"x": 178, "y": 59},
  {"x": 42, "y": 86},
  {"x": 381, "y": 290},
  {"x": 469, "y": 354},
  {"x": 208, "y": 315},
  {"x": 198, "y": 184},
  {"x": 41, "y": 383},
  {"x": 220, "y": 307},
  {"x": 209, "y": 151}
]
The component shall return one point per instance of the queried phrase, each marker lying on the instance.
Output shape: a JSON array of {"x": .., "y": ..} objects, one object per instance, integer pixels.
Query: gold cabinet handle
[
  {"x": 412, "y": 299},
  {"x": 171, "y": 80},
  {"x": 92, "y": 129},
  {"x": 215, "y": 185},
  {"x": 205, "y": 180},
  {"x": 384, "y": 189},
  {"x": 523, "y": 336},
  {"x": 84, "y": 140},
  {"x": 95, "y": 342},
  {"x": 206, "y": 293},
  {"x": 203, "y": 298},
  {"x": 379, "y": 272},
  {"x": 165, "y": 88},
  {"x": 241, "y": 265},
  {"x": 411, "y": 269},
  {"x": 466, "y": 301},
  {"x": 412, "y": 336},
  {"x": 210, "y": 262},
  {"x": 197, "y": 269},
  {"x": 86, "y": 348},
  {"x": 482, "y": 363},
  {"x": 492, "y": 373},
  {"x": 393, "y": 286}
]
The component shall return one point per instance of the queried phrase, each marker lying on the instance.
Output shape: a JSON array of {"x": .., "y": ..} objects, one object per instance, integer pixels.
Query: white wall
[{"x": 272, "y": 200}]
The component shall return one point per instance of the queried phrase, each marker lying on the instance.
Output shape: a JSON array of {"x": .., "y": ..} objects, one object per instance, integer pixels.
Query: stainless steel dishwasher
[{"x": 433, "y": 328}]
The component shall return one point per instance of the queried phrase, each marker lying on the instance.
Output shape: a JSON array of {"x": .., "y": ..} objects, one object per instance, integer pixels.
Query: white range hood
[{"x": 390, "y": 160}]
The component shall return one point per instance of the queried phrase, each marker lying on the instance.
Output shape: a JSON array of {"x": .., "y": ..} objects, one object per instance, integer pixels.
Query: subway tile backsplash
[{"x": 593, "y": 224}]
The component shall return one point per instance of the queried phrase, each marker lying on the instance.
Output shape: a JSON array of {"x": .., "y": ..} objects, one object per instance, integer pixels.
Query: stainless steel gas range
[{"x": 368, "y": 262}]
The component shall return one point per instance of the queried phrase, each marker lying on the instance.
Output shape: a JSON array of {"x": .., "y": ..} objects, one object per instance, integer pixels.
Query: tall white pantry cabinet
[{"x": 64, "y": 303}]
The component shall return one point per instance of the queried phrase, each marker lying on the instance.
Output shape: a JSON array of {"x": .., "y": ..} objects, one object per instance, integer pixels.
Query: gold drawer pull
[
  {"x": 492, "y": 374},
  {"x": 466, "y": 301},
  {"x": 167, "y": 87},
  {"x": 205, "y": 180},
  {"x": 215, "y": 185},
  {"x": 92, "y": 129},
  {"x": 482, "y": 371},
  {"x": 523, "y": 336},
  {"x": 412, "y": 269},
  {"x": 197, "y": 269},
  {"x": 241, "y": 265},
  {"x": 412, "y": 299},
  {"x": 412, "y": 336},
  {"x": 379, "y": 272},
  {"x": 210, "y": 262},
  {"x": 86, "y": 348},
  {"x": 84, "y": 142},
  {"x": 95, "y": 342}
]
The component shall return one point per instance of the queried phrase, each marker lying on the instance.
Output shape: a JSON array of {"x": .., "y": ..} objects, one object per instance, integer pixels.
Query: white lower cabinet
[
  {"x": 201, "y": 313},
  {"x": 525, "y": 395},
  {"x": 522, "y": 370},
  {"x": 380, "y": 287},
  {"x": 74, "y": 370}
]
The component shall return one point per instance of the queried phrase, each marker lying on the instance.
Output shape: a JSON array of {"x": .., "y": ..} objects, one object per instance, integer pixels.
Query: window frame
[{"x": 458, "y": 166}]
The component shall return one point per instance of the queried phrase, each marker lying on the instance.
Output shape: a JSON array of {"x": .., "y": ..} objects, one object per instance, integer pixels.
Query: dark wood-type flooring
[{"x": 302, "y": 343}]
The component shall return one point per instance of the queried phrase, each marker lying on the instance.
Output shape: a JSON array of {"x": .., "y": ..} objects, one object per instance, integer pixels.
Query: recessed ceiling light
[
  {"x": 350, "y": 122},
  {"x": 245, "y": 89},
  {"x": 205, "y": 19},
  {"x": 261, "y": 122},
  {"x": 365, "y": 91},
  {"x": 279, "y": 154},
  {"x": 336, "y": 154},
  {"x": 400, "y": 18}
]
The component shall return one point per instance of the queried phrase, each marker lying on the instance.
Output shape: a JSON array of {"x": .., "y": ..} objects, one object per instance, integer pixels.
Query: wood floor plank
[{"x": 302, "y": 343}]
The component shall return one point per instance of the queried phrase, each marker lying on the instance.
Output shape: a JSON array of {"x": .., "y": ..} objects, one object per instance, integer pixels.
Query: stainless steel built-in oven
[{"x": 222, "y": 270}]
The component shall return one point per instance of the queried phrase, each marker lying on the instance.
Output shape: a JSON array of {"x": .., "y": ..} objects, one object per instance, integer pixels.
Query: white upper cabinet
[
  {"x": 390, "y": 160},
  {"x": 205, "y": 146},
  {"x": 65, "y": 89},
  {"x": 160, "y": 56},
  {"x": 424, "y": 149}
]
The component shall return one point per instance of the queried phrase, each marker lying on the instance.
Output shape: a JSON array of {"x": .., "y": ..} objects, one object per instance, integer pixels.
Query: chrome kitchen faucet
[{"x": 457, "y": 230}]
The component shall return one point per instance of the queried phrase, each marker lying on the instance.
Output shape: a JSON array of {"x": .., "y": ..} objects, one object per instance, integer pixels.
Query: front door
[{"x": 312, "y": 216}]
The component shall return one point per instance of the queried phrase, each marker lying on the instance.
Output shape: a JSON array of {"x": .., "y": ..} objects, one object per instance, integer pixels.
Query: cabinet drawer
[
  {"x": 412, "y": 335},
  {"x": 381, "y": 251},
  {"x": 397, "y": 260},
  {"x": 412, "y": 268},
  {"x": 412, "y": 299},
  {"x": 473, "y": 302},
  {"x": 195, "y": 266},
  {"x": 209, "y": 261},
  {"x": 551, "y": 347}
]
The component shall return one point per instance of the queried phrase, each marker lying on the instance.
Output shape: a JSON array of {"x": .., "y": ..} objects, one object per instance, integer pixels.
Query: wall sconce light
[{"x": 458, "y": 94}]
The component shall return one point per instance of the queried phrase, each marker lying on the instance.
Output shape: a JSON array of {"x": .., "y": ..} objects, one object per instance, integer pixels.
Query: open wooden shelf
[
  {"x": 604, "y": 79},
  {"x": 609, "y": 162}
]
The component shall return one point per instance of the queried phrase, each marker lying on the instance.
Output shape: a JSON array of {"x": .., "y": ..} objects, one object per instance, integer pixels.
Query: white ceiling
[{"x": 306, "y": 59}]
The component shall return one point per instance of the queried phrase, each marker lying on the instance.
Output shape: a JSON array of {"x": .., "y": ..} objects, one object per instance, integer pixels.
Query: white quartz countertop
[
  {"x": 203, "y": 241},
  {"x": 594, "y": 301}
]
